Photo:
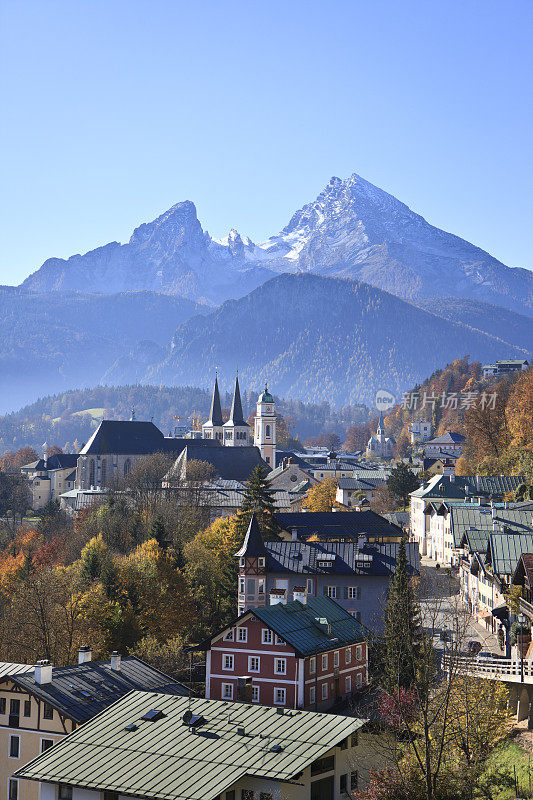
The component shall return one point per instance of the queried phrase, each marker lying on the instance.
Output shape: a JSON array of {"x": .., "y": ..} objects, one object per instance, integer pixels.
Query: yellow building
[{"x": 42, "y": 704}]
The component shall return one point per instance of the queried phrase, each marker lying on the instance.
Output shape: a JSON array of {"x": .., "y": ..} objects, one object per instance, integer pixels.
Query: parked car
[{"x": 485, "y": 655}]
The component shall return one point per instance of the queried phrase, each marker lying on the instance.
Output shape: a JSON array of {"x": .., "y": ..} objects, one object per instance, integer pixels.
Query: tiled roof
[
  {"x": 300, "y": 624},
  {"x": 363, "y": 484},
  {"x": 165, "y": 760},
  {"x": 304, "y": 558},
  {"x": 448, "y": 437},
  {"x": 131, "y": 437},
  {"x": 82, "y": 691}
]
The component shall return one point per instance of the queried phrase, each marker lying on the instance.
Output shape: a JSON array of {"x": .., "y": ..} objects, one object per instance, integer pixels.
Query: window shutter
[
  {"x": 326, "y": 591},
  {"x": 345, "y": 592}
]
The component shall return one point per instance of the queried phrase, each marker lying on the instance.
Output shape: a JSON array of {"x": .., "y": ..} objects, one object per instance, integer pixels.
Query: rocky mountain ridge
[{"x": 353, "y": 229}]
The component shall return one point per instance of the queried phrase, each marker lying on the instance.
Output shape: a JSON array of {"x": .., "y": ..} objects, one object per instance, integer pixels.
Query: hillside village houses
[
  {"x": 343, "y": 566},
  {"x": 430, "y": 525},
  {"x": 380, "y": 445},
  {"x": 50, "y": 476}
]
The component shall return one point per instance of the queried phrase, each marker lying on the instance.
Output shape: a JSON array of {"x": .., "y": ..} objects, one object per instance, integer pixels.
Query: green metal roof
[
  {"x": 476, "y": 540},
  {"x": 299, "y": 624},
  {"x": 517, "y": 520},
  {"x": 164, "y": 760},
  {"x": 504, "y": 551}
]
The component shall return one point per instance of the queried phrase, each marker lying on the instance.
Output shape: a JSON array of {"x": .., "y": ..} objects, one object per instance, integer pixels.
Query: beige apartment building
[{"x": 40, "y": 705}]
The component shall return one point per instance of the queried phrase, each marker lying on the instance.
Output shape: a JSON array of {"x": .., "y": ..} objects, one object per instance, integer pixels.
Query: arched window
[
  {"x": 267, "y": 431},
  {"x": 103, "y": 472},
  {"x": 127, "y": 466},
  {"x": 91, "y": 472}
]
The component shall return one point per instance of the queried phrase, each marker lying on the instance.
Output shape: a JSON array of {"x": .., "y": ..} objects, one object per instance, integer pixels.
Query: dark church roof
[
  {"x": 337, "y": 524},
  {"x": 215, "y": 414},
  {"x": 135, "y": 438},
  {"x": 230, "y": 463},
  {"x": 236, "y": 416}
]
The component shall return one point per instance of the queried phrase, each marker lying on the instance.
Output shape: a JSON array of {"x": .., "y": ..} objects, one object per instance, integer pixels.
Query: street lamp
[{"x": 521, "y": 621}]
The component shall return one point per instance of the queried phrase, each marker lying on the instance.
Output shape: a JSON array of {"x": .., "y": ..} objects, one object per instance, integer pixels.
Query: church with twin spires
[{"x": 236, "y": 432}]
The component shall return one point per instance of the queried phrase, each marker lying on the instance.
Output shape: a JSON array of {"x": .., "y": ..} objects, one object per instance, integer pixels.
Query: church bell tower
[{"x": 265, "y": 428}]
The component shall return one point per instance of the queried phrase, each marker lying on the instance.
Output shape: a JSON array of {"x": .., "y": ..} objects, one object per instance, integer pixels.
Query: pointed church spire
[
  {"x": 215, "y": 415},
  {"x": 253, "y": 544},
  {"x": 236, "y": 417},
  {"x": 381, "y": 424}
]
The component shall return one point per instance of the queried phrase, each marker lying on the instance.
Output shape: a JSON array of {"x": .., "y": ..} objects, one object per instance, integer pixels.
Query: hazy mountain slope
[
  {"x": 61, "y": 340},
  {"x": 517, "y": 329},
  {"x": 317, "y": 339},
  {"x": 352, "y": 229}
]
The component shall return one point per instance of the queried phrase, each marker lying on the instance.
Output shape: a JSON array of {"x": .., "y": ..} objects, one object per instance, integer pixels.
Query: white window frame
[
  {"x": 11, "y": 737},
  {"x": 336, "y": 658},
  {"x": 224, "y": 657},
  {"x": 16, "y": 781},
  {"x": 348, "y": 683},
  {"x": 261, "y": 561},
  {"x": 359, "y": 680},
  {"x": 312, "y": 694},
  {"x": 309, "y": 586},
  {"x": 242, "y": 634},
  {"x": 348, "y": 655},
  {"x": 332, "y": 592},
  {"x": 251, "y": 660},
  {"x": 280, "y": 662},
  {"x": 229, "y": 695},
  {"x": 283, "y": 694},
  {"x": 325, "y": 661},
  {"x": 255, "y": 694},
  {"x": 312, "y": 665},
  {"x": 261, "y": 586},
  {"x": 242, "y": 561},
  {"x": 228, "y": 636},
  {"x": 45, "y": 739},
  {"x": 267, "y": 636},
  {"x": 242, "y": 586},
  {"x": 279, "y": 640},
  {"x": 354, "y": 593},
  {"x": 359, "y": 652},
  {"x": 324, "y": 690}
]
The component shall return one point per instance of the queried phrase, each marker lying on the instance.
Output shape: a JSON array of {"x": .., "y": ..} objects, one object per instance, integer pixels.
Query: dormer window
[
  {"x": 325, "y": 563},
  {"x": 261, "y": 561}
]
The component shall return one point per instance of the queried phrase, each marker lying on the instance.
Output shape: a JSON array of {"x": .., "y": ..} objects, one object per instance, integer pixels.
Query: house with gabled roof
[
  {"x": 152, "y": 746},
  {"x": 352, "y": 570},
  {"x": 306, "y": 653},
  {"x": 41, "y": 704}
]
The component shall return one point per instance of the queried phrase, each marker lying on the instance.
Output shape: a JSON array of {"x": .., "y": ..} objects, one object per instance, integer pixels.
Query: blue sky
[{"x": 113, "y": 111}]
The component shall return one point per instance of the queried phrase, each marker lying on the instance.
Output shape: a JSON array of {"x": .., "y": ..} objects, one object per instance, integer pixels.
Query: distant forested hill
[
  {"x": 62, "y": 340},
  {"x": 320, "y": 339},
  {"x": 71, "y": 417}
]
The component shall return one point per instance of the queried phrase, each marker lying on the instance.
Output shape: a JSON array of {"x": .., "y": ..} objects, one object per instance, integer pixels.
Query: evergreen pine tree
[
  {"x": 403, "y": 632},
  {"x": 159, "y": 533},
  {"x": 258, "y": 498}
]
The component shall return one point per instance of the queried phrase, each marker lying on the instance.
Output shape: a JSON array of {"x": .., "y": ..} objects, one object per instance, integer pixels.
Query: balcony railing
[{"x": 501, "y": 669}]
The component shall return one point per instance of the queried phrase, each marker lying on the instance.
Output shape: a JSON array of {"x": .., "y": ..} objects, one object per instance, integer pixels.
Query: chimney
[
  {"x": 294, "y": 535},
  {"x": 300, "y": 593},
  {"x": 115, "y": 661},
  {"x": 277, "y": 596},
  {"x": 452, "y": 477},
  {"x": 85, "y": 654},
  {"x": 43, "y": 672}
]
